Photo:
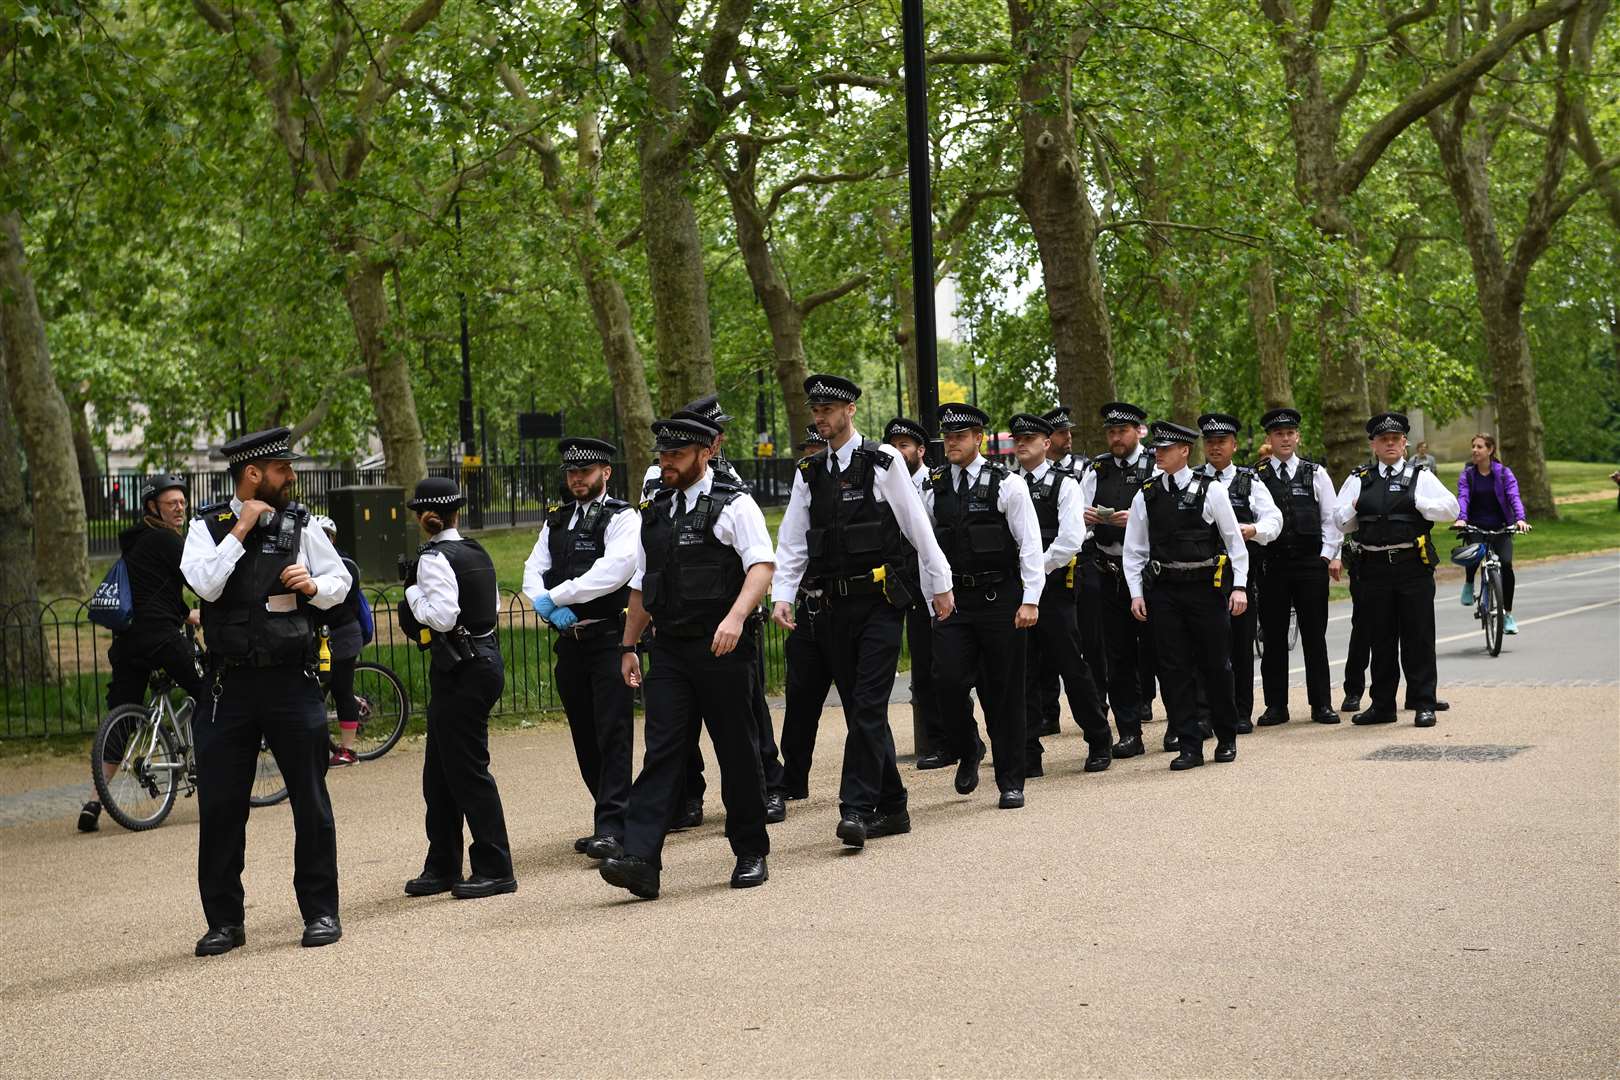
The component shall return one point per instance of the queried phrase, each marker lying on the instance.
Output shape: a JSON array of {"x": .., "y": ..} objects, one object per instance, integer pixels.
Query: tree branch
[
  {"x": 1410, "y": 16},
  {"x": 1353, "y": 83},
  {"x": 827, "y": 296},
  {"x": 1215, "y": 230},
  {"x": 809, "y": 179}
]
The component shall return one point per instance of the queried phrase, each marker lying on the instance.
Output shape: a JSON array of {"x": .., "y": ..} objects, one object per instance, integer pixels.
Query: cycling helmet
[
  {"x": 157, "y": 485},
  {"x": 326, "y": 524}
]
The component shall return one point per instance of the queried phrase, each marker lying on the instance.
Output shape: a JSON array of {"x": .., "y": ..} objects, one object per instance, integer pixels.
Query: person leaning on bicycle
[
  {"x": 344, "y": 640},
  {"x": 1488, "y": 499},
  {"x": 157, "y": 639}
]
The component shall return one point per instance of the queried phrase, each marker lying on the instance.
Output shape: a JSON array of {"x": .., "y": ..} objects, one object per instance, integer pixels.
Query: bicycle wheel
[
  {"x": 1259, "y": 633},
  {"x": 384, "y": 708},
  {"x": 140, "y": 793},
  {"x": 1495, "y": 613},
  {"x": 268, "y": 786}
]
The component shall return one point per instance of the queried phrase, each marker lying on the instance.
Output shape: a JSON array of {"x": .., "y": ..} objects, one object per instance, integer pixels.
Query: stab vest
[
  {"x": 850, "y": 531},
  {"x": 1044, "y": 494},
  {"x": 237, "y": 626},
  {"x": 1386, "y": 509},
  {"x": 1116, "y": 487},
  {"x": 574, "y": 551},
  {"x": 475, "y": 588},
  {"x": 1177, "y": 531},
  {"x": 1301, "y": 513},
  {"x": 974, "y": 534},
  {"x": 692, "y": 578},
  {"x": 1240, "y": 492}
]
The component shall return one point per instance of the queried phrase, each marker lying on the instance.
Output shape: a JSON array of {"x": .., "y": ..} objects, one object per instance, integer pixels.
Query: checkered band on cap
[
  {"x": 813, "y": 435},
  {"x": 1162, "y": 431},
  {"x": 263, "y": 450},
  {"x": 586, "y": 452},
  {"x": 1029, "y": 424},
  {"x": 901, "y": 425},
  {"x": 954, "y": 415},
  {"x": 826, "y": 389},
  {"x": 1277, "y": 418},
  {"x": 679, "y": 432},
  {"x": 1122, "y": 412},
  {"x": 437, "y": 500},
  {"x": 1387, "y": 422},
  {"x": 1217, "y": 424},
  {"x": 1058, "y": 417}
]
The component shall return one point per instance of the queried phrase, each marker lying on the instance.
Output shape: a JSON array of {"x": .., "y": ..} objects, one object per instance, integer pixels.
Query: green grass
[{"x": 1580, "y": 527}]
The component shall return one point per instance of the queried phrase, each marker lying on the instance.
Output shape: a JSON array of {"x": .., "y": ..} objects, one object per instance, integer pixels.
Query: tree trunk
[
  {"x": 23, "y": 651},
  {"x": 387, "y": 373},
  {"x": 616, "y": 327},
  {"x": 1271, "y": 333},
  {"x": 1344, "y": 382},
  {"x": 1051, "y": 191},
  {"x": 680, "y": 290},
  {"x": 62, "y": 558},
  {"x": 84, "y": 451}
]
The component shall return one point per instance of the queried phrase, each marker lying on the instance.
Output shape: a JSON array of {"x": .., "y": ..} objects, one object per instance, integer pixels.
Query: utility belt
[
  {"x": 892, "y": 582},
  {"x": 978, "y": 581},
  {"x": 216, "y": 663},
  {"x": 1214, "y": 571},
  {"x": 459, "y": 646},
  {"x": 598, "y": 628},
  {"x": 1109, "y": 562},
  {"x": 1420, "y": 549}
]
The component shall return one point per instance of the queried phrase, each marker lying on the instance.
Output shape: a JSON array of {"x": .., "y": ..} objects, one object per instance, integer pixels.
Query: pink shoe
[{"x": 343, "y": 756}]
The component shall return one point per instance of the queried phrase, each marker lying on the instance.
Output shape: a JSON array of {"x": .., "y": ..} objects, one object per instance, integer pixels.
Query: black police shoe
[
  {"x": 428, "y": 885},
  {"x": 583, "y": 842},
  {"x": 892, "y": 823},
  {"x": 1273, "y": 717},
  {"x": 1187, "y": 759},
  {"x": 1172, "y": 742},
  {"x": 1425, "y": 718},
  {"x": 775, "y": 808},
  {"x": 1129, "y": 746},
  {"x": 1032, "y": 768},
  {"x": 967, "y": 772},
  {"x": 852, "y": 829},
  {"x": 629, "y": 872},
  {"x": 1050, "y": 727},
  {"x": 1324, "y": 714},
  {"x": 937, "y": 759},
  {"x": 604, "y": 847},
  {"x": 1244, "y": 726},
  {"x": 90, "y": 816},
  {"x": 1011, "y": 799},
  {"x": 796, "y": 794},
  {"x": 479, "y": 886},
  {"x": 1098, "y": 758},
  {"x": 1373, "y": 716},
  {"x": 750, "y": 872},
  {"x": 321, "y": 930},
  {"x": 1226, "y": 751},
  {"x": 691, "y": 816},
  {"x": 1351, "y": 703},
  {"x": 221, "y": 939},
  {"x": 1144, "y": 713}
]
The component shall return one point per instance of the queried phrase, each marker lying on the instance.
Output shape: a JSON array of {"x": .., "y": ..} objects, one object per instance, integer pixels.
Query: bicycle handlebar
[{"x": 1510, "y": 530}]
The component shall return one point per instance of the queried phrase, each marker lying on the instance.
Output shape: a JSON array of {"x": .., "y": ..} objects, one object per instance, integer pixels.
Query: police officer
[
  {"x": 578, "y": 579},
  {"x": 258, "y": 571},
  {"x": 855, "y": 529},
  {"x": 1087, "y": 586},
  {"x": 703, "y": 562},
  {"x": 1392, "y": 506},
  {"x": 1186, "y": 565},
  {"x": 451, "y": 601},
  {"x": 1120, "y": 475},
  {"x": 986, "y": 524},
  {"x": 1054, "y": 641},
  {"x": 809, "y": 677},
  {"x": 1297, "y": 567},
  {"x": 1260, "y": 521}
]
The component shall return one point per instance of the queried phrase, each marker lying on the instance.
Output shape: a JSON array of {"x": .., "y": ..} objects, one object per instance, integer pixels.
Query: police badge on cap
[
  {"x": 1029, "y": 424},
  {"x": 830, "y": 390},
  {"x": 708, "y": 410},
  {"x": 437, "y": 493},
  {"x": 1386, "y": 422},
  {"x": 1215, "y": 424},
  {"x": 905, "y": 428},
  {"x": 274, "y": 444},
  {"x": 1277, "y": 418},
  {"x": 958, "y": 415},
  {"x": 1164, "y": 433},
  {"x": 681, "y": 431},
  {"x": 1122, "y": 412},
  {"x": 579, "y": 453},
  {"x": 812, "y": 437},
  {"x": 1059, "y": 418}
]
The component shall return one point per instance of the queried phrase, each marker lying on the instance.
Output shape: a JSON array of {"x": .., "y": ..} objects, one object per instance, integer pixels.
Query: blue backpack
[
  {"x": 113, "y": 606},
  {"x": 368, "y": 622}
]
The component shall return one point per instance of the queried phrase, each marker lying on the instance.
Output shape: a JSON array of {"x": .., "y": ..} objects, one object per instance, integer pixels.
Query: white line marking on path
[{"x": 1523, "y": 585}]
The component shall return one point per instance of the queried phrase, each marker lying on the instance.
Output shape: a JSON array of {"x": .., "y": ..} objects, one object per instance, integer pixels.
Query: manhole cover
[{"x": 1420, "y": 752}]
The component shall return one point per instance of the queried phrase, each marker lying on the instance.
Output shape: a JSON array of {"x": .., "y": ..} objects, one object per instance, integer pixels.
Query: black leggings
[
  {"x": 1503, "y": 546},
  {"x": 341, "y": 684}
]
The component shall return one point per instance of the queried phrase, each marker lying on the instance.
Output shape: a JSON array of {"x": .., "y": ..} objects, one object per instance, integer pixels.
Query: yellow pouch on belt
[
  {"x": 1068, "y": 578},
  {"x": 325, "y": 663},
  {"x": 1220, "y": 571},
  {"x": 1425, "y": 551},
  {"x": 880, "y": 573}
]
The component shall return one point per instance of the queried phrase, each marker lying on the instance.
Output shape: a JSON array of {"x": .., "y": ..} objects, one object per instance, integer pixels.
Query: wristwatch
[{"x": 627, "y": 649}]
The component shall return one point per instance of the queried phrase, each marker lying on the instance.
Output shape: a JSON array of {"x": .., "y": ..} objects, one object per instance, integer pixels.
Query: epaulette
[
  {"x": 723, "y": 491},
  {"x": 219, "y": 511},
  {"x": 807, "y": 465},
  {"x": 614, "y": 505},
  {"x": 937, "y": 475},
  {"x": 874, "y": 451},
  {"x": 1362, "y": 471},
  {"x": 997, "y": 466},
  {"x": 1150, "y": 482},
  {"x": 1101, "y": 459}
]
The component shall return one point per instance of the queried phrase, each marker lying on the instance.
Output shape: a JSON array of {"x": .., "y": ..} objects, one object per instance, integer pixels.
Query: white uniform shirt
[
  {"x": 1322, "y": 486},
  {"x": 1434, "y": 500},
  {"x": 435, "y": 599},
  {"x": 739, "y": 525},
  {"x": 1090, "y": 492},
  {"x": 1012, "y": 499},
  {"x": 1071, "y": 506},
  {"x": 1217, "y": 512},
  {"x": 1267, "y": 518},
  {"x": 612, "y": 569},
  {"x": 207, "y": 566},
  {"x": 894, "y": 486}
]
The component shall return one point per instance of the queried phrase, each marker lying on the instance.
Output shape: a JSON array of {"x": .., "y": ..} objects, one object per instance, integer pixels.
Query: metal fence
[
  {"x": 54, "y": 677},
  {"x": 499, "y": 496}
]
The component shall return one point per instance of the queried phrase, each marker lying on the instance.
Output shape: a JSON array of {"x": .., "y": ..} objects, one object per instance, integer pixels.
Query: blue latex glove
[
  {"x": 562, "y": 618},
  {"x": 544, "y": 605}
]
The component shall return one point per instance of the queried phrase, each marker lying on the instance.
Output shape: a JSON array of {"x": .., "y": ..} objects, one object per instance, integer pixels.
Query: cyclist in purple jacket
[{"x": 1488, "y": 498}]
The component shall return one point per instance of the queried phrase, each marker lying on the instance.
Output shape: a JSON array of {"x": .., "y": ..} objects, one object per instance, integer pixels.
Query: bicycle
[
  {"x": 1489, "y": 608},
  {"x": 156, "y": 760},
  {"x": 384, "y": 709}
]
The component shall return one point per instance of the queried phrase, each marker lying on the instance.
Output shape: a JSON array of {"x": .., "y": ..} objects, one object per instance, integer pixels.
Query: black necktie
[
  {"x": 680, "y": 503},
  {"x": 832, "y": 467},
  {"x": 962, "y": 485}
]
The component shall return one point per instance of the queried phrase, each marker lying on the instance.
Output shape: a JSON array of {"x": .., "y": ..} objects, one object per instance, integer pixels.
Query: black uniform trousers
[
  {"x": 281, "y": 706},
  {"x": 1295, "y": 579},
  {"x": 686, "y": 687},
  {"x": 979, "y": 642},
  {"x": 139, "y": 651},
  {"x": 1054, "y": 644},
  {"x": 1360, "y": 652},
  {"x": 1243, "y": 661},
  {"x": 1089, "y": 598},
  {"x": 1192, "y": 638},
  {"x": 1123, "y": 637},
  {"x": 598, "y": 703},
  {"x": 859, "y": 641},
  {"x": 456, "y": 783},
  {"x": 1395, "y": 604},
  {"x": 809, "y": 678},
  {"x": 770, "y": 756},
  {"x": 924, "y": 695}
]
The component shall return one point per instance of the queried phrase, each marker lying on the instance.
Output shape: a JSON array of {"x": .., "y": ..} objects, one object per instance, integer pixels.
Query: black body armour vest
[
  {"x": 1116, "y": 487},
  {"x": 1240, "y": 490},
  {"x": 237, "y": 627},
  {"x": 1296, "y": 499},
  {"x": 1044, "y": 494},
  {"x": 850, "y": 532},
  {"x": 1386, "y": 509},
  {"x": 574, "y": 551},
  {"x": 973, "y": 534},
  {"x": 1177, "y": 531},
  {"x": 475, "y": 589},
  {"x": 692, "y": 579}
]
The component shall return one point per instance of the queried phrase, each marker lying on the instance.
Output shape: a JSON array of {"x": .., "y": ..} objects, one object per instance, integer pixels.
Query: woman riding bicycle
[
  {"x": 345, "y": 640},
  {"x": 1488, "y": 498}
]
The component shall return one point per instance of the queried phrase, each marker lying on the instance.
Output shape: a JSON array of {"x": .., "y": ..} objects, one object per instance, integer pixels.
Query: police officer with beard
[
  {"x": 451, "y": 601},
  {"x": 578, "y": 579},
  {"x": 259, "y": 571}
]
